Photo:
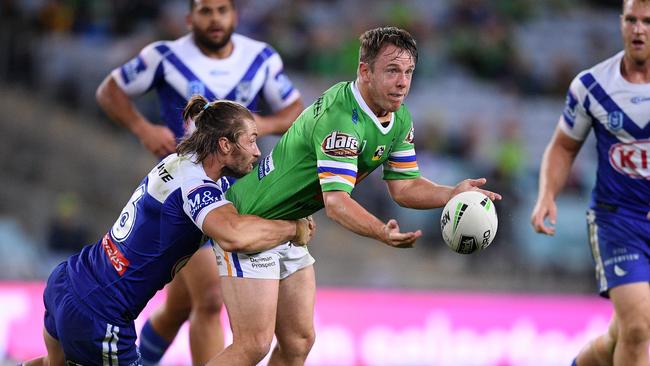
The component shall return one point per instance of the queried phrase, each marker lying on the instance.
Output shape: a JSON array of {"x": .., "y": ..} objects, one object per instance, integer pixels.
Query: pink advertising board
[{"x": 368, "y": 327}]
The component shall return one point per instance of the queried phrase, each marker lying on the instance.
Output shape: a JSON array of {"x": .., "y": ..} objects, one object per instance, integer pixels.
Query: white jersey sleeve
[
  {"x": 278, "y": 90},
  {"x": 139, "y": 74},
  {"x": 201, "y": 197},
  {"x": 576, "y": 120}
]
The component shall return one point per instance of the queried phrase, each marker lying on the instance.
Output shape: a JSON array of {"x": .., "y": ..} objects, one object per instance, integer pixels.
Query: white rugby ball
[{"x": 469, "y": 222}]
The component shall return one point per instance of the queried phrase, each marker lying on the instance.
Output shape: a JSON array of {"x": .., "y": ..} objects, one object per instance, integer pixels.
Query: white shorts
[{"x": 272, "y": 264}]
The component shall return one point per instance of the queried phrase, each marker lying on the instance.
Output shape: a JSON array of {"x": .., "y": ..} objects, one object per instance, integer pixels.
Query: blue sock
[
  {"x": 575, "y": 362},
  {"x": 152, "y": 345}
]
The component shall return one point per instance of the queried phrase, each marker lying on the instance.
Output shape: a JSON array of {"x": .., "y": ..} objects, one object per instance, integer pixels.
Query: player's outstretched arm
[
  {"x": 341, "y": 208},
  {"x": 421, "y": 193},
  {"x": 160, "y": 140},
  {"x": 279, "y": 122},
  {"x": 556, "y": 166},
  {"x": 247, "y": 233}
]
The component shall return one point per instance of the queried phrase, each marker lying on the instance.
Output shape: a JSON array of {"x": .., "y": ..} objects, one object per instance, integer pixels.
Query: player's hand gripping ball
[{"x": 469, "y": 222}]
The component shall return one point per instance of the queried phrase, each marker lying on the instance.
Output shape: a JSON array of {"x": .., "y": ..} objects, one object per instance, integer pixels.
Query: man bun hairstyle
[{"x": 221, "y": 118}]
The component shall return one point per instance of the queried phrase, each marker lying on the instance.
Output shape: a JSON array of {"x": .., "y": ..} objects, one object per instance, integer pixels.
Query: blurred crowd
[{"x": 488, "y": 90}]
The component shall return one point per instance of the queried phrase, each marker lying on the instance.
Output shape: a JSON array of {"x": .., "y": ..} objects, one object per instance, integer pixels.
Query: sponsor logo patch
[
  {"x": 202, "y": 197},
  {"x": 261, "y": 262},
  {"x": 639, "y": 99},
  {"x": 117, "y": 259},
  {"x": 265, "y": 167},
  {"x": 340, "y": 144},
  {"x": 631, "y": 159},
  {"x": 379, "y": 152}
]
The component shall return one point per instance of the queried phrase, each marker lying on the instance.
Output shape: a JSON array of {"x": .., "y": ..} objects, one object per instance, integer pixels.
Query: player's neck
[
  {"x": 365, "y": 94},
  {"x": 634, "y": 72},
  {"x": 213, "y": 167}
]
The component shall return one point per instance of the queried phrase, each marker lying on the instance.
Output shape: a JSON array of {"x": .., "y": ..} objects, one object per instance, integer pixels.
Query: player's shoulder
[
  {"x": 250, "y": 45},
  {"x": 179, "y": 171},
  {"x": 338, "y": 94},
  {"x": 333, "y": 100}
]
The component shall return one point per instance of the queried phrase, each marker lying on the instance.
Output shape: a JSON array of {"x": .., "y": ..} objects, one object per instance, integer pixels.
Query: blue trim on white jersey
[
  {"x": 158, "y": 77},
  {"x": 287, "y": 93},
  {"x": 569, "y": 111},
  {"x": 170, "y": 100},
  {"x": 184, "y": 70},
  {"x": 252, "y": 71},
  {"x": 610, "y": 106}
]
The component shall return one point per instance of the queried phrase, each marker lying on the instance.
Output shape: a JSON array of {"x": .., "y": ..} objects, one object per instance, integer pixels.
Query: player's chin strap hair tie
[{"x": 206, "y": 106}]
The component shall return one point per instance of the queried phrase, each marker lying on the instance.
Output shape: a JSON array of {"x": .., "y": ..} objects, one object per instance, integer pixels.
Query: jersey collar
[{"x": 366, "y": 109}]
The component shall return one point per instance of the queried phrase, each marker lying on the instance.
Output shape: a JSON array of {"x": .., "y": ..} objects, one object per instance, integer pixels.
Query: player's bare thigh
[
  {"x": 295, "y": 315},
  {"x": 252, "y": 305},
  {"x": 201, "y": 277},
  {"x": 632, "y": 302}
]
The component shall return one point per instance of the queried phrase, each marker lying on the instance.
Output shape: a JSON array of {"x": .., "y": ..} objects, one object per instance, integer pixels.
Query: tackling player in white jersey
[
  {"x": 613, "y": 99},
  {"x": 213, "y": 62}
]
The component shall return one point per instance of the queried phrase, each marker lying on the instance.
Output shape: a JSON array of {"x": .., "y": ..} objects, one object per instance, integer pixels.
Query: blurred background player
[
  {"x": 352, "y": 129},
  {"x": 214, "y": 62},
  {"x": 92, "y": 299},
  {"x": 611, "y": 98}
]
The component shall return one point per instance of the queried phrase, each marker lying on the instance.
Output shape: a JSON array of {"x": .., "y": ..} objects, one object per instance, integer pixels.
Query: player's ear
[
  {"x": 225, "y": 146},
  {"x": 364, "y": 69},
  {"x": 188, "y": 21}
]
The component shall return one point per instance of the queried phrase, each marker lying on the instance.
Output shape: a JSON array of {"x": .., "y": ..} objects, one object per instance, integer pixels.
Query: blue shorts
[
  {"x": 86, "y": 338},
  {"x": 620, "y": 245}
]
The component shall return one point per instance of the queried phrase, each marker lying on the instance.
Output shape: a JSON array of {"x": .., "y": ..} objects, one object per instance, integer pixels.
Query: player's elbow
[
  {"x": 330, "y": 212},
  {"x": 399, "y": 197},
  {"x": 233, "y": 244},
  {"x": 105, "y": 91},
  {"x": 235, "y": 239},
  {"x": 101, "y": 94},
  {"x": 333, "y": 206}
]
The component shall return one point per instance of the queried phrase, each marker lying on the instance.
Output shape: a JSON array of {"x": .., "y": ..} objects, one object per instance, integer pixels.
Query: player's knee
[
  {"x": 257, "y": 347},
  {"x": 210, "y": 303},
  {"x": 299, "y": 345},
  {"x": 635, "y": 332},
  {"x": 167, "y": 315}
]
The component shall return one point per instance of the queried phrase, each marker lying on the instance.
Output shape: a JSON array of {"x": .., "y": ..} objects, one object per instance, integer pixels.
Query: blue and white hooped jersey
[
  {"x": 178, "y": 69},
  {"x": 155, "y": 235},
  {"x": 619, "y": 113}
]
